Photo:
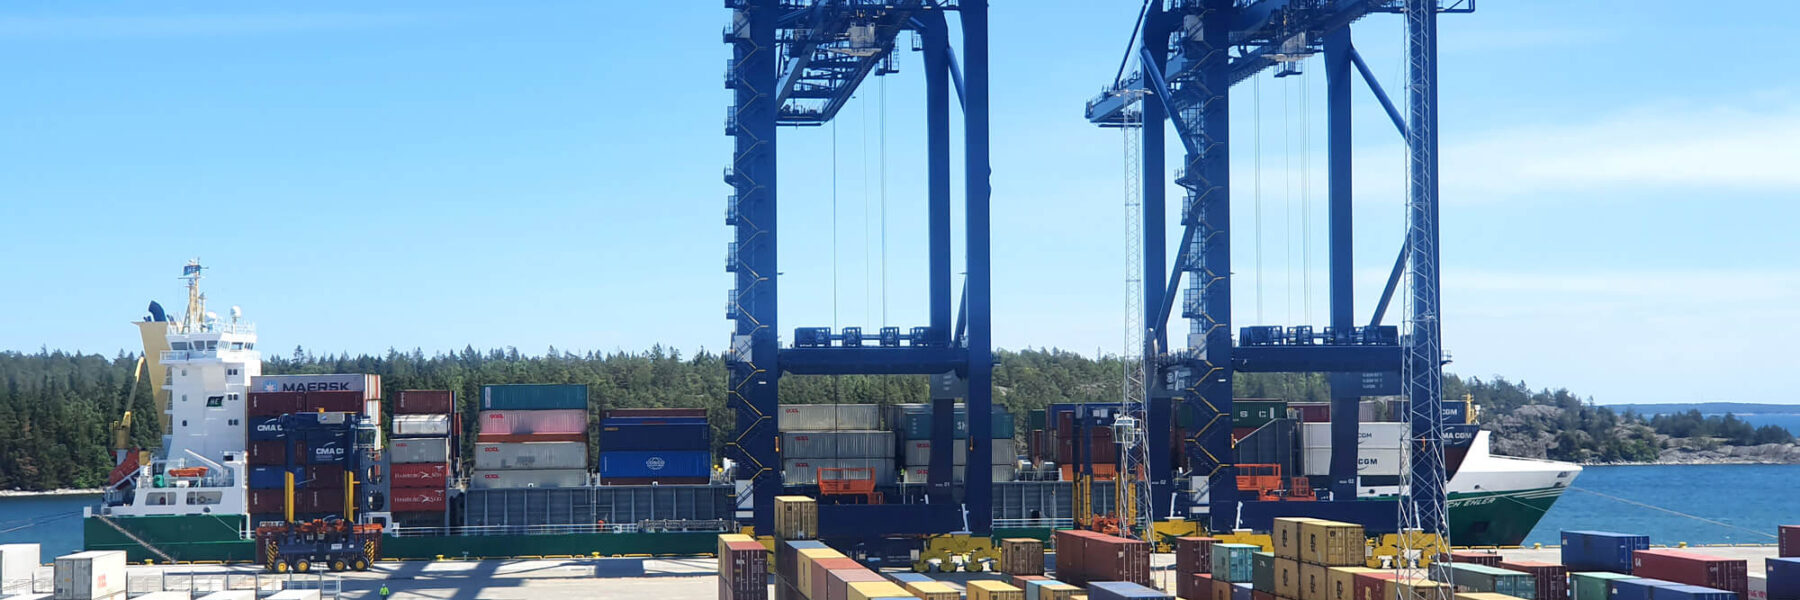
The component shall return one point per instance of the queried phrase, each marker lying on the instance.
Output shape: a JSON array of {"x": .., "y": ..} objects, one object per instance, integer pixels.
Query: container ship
[{"x": 533, "y": 474}]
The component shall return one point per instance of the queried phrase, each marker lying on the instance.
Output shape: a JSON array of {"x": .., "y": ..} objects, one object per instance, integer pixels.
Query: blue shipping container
[
  {"x": 615, "y": 436},
  {"x": 1242, "y": 591},
  {"x": 263, "y": 429},
  {"x": 1234, "y": 562},
  {"x": 610, "y": 421},
  {"x": 1690, "y": 592},
  {"x": 1634, "y": 589},
  {"x": 656, "y": 463},
  {"x": 272, "y": 478},
  {"x": 1601, "y": 550},
  {"x": 534, "y": 397},
  {"x": 906, "y": 578},
  {"x": 1123, "y": 590},
  {"x": 1784, "y": 578}
]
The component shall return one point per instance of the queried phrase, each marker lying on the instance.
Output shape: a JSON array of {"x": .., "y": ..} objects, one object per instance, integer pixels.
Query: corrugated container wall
[
  {"x": 1782, "y": 581},
  {"x": 1123, "y": 590},
  {"x": 369, "y": 386},
  {"x": 1693, "y": 569},
  {"x": 838, "y": 444},
  {"x": 528, "y": 478},
  {"x": 1593, "y": 585},
  {"x": 1601, "y": 550},
  {"x": 685, "y": 433},
  {"x": 535, "y": 397},
  {"x": 425, "y": 402},
  {"x": 1789, "y": 542},
  {"x": 529, "y": 422},
  {"x": 828, "y": 417},
  {"x": 531, "y": 455},
  {"x": 421, "y": 426},
  {"x": 92, "y": 575},
  {"x": 419, "y": 450},
  {"x": 656, "y": 463}
]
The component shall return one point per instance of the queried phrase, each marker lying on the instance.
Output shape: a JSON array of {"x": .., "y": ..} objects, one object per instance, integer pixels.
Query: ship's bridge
[{"x": 211, "y": 341}]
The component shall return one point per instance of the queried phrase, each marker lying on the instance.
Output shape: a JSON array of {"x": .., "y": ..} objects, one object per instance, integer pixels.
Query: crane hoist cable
[
  {"x": 881, "y": 89},
  {"x": 1287, "y": 193},
  {"x": 1256, "y": 193},
  {"x": 1306, "y": 184}
]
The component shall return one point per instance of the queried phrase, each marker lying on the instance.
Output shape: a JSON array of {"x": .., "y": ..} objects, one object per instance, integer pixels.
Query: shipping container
[
  {"x": 1341, "y": 582},
  {"x": 417, "y": 499},
  {"x": 1483, "y": 578},
  {"x": 1111, "y": 558},
  {"x": 1782, "y": 579},
  {"x": 271, "y": 478},
  {"x": 368, "y": 385},
  {"x": 837, "y": 444},
  {"x": 1022, "y": 556},
  {"x": 1788, "y": 542},
  {"x": 1194, "y": 554},
  {"x": 796, "y": 518},
  {"x": 270, "y": 453},
  {"x": 1314, "y": 581},
  {"x": 344, "y": 402},
  {"x": 1593, "y": 585},
  {"x": 421, "y": 450},
  {"x": 264, "y": 429},
  {"x": 1600, "y": 550},
  {"x": 828, "y": 417},
  {"x": 819, "y": 571},
  {"x": 654, "y": 436},
  {"x": 934, "y": 590},
  {"x": 407, "y": 426},
  {"x": 1285, "y": 534},
  {"x": 1232, "y": 563},
  {"x": 519, "y": 478},
  {"x": 914, "y": 422},
  {"x": 1310, "y": 412},
  {"x": 655, "y": 412},
  {"x": 231, "y": 595},
  {"x": 1331, "y": 543},
  {"x": 918, "y": 453},
  {"x": 1193, "y": 586},
  {"x": 507, "y": 438},
  {"x": 1256, "y": 413},
  {"x": 535, "y": 397},
  {"x": 806, "y": 562},
  {"x": 272, "y": 404},
  {"x": 1552, "y": 579},
  {"x": 1048, "y": 589},
  {"x": 1412, "y": 590},
  {"x": 294, "y": 595},
  {"x": 840, "y": 584},
  {"x": 994, "y": 590},
  {"x": 1635, "y": 588},
  {"x": 1373, "y": 586},
  {"x": 421, "y": 475},
  {"x": 1693, "y": 569},
  {"x": 743, "y": 568},
  {"x": 91, "y": 575},
  {"x": 1124, "y": 590},
  {"x": 264, "y": 500},
  {"x": 321, "y": 477},
  {"x": 333, "y": 451},
  {"x": 920, "y": 475},
  {"x": 787, "y": 559},
  {"x": 1020, "y": 581},
  {"x": 1692, "y": 592},
  {"x": 531, "y": 455},
  {"x": 425, "y": 402},
  {"x": 1475, "y": 557},
  {"x": 520, "y": 422},
  {"x": 656, "y": 463},
  {"x": 18, "y": 564},
  {"x": 1285, "y": 579},
  {"x": 655, "y": 480}
]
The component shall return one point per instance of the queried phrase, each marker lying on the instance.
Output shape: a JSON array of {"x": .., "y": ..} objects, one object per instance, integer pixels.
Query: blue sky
[{"x": 1617, "y": 219}]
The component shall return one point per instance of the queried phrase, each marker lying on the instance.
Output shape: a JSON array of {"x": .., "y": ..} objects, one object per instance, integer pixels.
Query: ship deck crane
[
  {"x": 1189, "y": 55},
  {"x": 797, "y": 63}
]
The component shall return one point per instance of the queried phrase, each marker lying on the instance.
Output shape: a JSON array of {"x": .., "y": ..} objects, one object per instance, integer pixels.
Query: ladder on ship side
[{"x": 140, "y": 541}]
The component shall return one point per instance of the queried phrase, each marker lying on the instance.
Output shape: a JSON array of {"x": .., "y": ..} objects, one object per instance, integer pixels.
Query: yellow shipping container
[
  {"x": 933, "y": 590},
  {"x": 796, "y": 518},
  {"x": 1332, "y": 544},
  {"x": 1417, "y": 590},
  {"x": 1315, "y": 581},
  {"x": 1341, "y": 582},
  {"x": 804, "y": 569},
  {"x": 1286, "y": 535},
  {"x": 1059, "y": 591},
  {"x": 1287, "y": 578},
  {"x": 993, "y": 590},
  {"x": 870, "y": 590}
]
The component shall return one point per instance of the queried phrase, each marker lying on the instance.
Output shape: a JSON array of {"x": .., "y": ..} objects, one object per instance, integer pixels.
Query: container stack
[
  {"x": 1486, "y": 579},
  {"x": 333, "y": 404},
  {"x": 1594, "y": 585},
  {"x": 1193, "y": 567},
  {"x": 92, "y": 575},
  {"x": 1122, "y": 590},
  {"x": 1782, "y": 579},
  {"x": 532, "y": 435},
  {"x": 1788, "y": 541},
  {"x": 1086, "y": 556},
  {"x": 422, "y": 455},
  {"x": 1308, "y": 553},
  {"x": 1475, "y": 557},
  {"x": 833, "y": 436},
  {"x": 912, "y": 425},
  {"x": 1731, "y": 575},
  {"x": 743, "y": 568},
  {"x": 664, "y": 446},
  {"x": 1022, "y": 556},
  {"x": 1552, "y": 579},
  {"x": 1601, "y": 550},
  {"x": 18, "y": 568}
]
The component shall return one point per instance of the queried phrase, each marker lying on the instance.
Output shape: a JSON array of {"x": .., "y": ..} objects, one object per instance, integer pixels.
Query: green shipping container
[
  {"x": 558, "y": 396},
  {"x": 1592, "y": 586},
  {"x": 1256, "y": 413},
  {"x": 1035, "y": 419},
  {"x": 1262, "y": 572}
]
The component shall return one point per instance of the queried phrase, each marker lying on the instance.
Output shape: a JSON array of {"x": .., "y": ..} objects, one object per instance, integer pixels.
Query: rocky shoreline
[
  {"x": 63, "y": 492},
  {"x": 1766, "y": 454}
]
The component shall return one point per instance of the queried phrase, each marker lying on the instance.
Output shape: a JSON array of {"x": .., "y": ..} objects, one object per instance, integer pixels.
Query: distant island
[
  {"x": 56, "y": 407},
  {"x": 1710, "y": 408}
]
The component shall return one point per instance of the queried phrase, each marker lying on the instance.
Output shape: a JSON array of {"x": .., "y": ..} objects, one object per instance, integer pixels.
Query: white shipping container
[
  {"x": 1759, "y": 588},
  {"x": 918, "y": 453},
  {"x": 805, "y": 471},
  {"x": 165, "y": 596},
  {"x": 29, "y": 597},
  {"x": 231, "y": 595},
  {"x": 919, "y": 475},
  {"x": 91, "y": 575},
  {"x": 1369, "y": 436},
  {"x": 531, "y": 455},
  {"x": 431, "y": 450},
  {"x": 295, "y": 595},
  {"x": 421, "y": 425},
  {"x": 17, "y": 564},
  {"x": 828, "y": 417},
  {"x": 521, "y": 478},
  {"x": 837, "y": 444},
  {"x": 1369, "y": 461}
]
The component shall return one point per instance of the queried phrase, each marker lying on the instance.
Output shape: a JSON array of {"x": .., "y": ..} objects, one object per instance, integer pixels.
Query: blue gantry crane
[
  {"x": 796, "y": 63},
  {"x": 1190, "y": 53}
]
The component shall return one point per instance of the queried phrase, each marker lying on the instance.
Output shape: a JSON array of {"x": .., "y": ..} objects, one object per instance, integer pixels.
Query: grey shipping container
[
  {"x": 523, "y": 478},
  {"x": 295, "y": 595},
  {"x": 419, "y": 450},
  {"x": 231, "y": 595},
  {"x": 531, "y": 455},
  {"x": 918, "y": 453},
  {"x": 166, "y": 595},
  {"x": 828, "y": 417},
  {"x": 368, "y": 385},
  {"x": 90, "y": 575},
  {"x": 18, "y": 562},
  {"x": 804, "y": 471},
  {"x": 421, "y": 425},
  {"x": 919, "y": 474},
  {"x": 837, "y": 444}
]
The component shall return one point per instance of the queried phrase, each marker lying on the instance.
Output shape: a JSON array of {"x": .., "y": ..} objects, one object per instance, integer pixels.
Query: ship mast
[{"x": 196, "y": 306}]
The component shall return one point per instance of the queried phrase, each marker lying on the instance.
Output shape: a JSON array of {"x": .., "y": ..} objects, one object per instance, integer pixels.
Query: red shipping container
[
  {"x": 1372, "y": 586},
  {"x": 270, "y": 454},
  {"x": 420, "y": 475},
  {"x": 1018, "y": 581},
  {"x": 323, "y": 477},
  {"x": 1312, "y": 412},
  {"x": 1221, "y": 590},
  {"x": 1552, "y": 579},
  {"x": 318, "y": 501},
  {"x": 837, "y": 582},
  {"x": 497, "y": 438},
  {"x": 1239, "y": 433},
  {"x": 1255, "y": 595},
  {"x": 1071, "y": 555},
  {"x": 656, "y": 412},
  {"x": 1471, "y": 557},
  {"x": 1693, "y": 569},
  {"x": 264, "y": 501},
  {"x": 1789, "y": 541},
  {"x": 1193, "y": 554},
  {"x": 1111, "y": 558},
  {"x": 821, "y": 572},
  {"x": 417, "y": 499},
  {"x": 350, "y": 402},
  {"x": 1196, "y": 586},
  {"x": 424, "y": 402},
  {"x": 743, "y": 572},
  {"x": 271, "y": 404}
]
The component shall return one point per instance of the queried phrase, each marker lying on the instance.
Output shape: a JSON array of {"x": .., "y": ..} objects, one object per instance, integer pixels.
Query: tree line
[{"x": 56, "y": 408}]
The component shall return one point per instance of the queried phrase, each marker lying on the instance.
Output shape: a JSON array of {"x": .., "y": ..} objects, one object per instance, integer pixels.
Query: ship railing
[
  {"x": 515, "y": 530},
  {"x": 1039, "y": 523}
]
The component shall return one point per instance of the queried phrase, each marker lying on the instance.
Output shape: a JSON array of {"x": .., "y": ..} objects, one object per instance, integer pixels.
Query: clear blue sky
[{"x": 1619, "y": 200}]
